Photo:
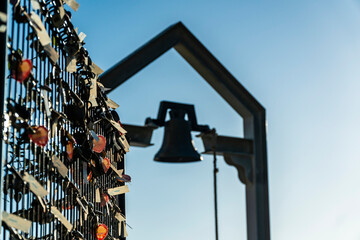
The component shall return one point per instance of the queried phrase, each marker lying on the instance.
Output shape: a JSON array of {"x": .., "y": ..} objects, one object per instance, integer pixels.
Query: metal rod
[{"x": 216, "y": 170}]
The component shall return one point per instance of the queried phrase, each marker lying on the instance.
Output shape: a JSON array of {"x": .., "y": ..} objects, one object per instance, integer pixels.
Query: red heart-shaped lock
[
  {"x": 41, "y": 135},
  {"x": 99, "y": 146},
  {"x": 23, "y": 70}
]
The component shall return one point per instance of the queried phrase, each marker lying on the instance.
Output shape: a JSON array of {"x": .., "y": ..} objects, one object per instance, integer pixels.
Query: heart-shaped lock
[
  {"x": 23, "y": 70},
  {"x": 98, "y": 146},
  {"x": 40, "y": 136},
  {"x": 106, "y": 164},
  {"x": 104, "y": 199}
]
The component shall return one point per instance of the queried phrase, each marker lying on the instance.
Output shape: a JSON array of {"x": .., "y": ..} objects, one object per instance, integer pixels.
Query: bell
[{"x": 177, "y": 146}]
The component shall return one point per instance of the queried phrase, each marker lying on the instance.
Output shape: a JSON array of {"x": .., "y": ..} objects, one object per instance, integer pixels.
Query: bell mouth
[{"x": 178, "y": 159}]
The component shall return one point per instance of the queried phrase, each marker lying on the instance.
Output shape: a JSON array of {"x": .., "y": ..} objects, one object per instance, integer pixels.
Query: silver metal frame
[{"x": 253, "y": 113}]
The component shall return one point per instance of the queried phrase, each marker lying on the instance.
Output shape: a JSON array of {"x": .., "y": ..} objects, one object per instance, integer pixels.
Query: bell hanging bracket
[
  {"x": 187, "y": 108},
  {"x": 237, "y": 152}
]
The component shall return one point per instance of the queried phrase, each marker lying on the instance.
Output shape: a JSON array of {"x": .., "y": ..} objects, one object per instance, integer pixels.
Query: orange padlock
[{"x": 101, "y": 231}]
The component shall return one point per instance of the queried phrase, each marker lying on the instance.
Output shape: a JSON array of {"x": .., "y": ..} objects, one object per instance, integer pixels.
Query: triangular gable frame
[{"x": 229, "y": 88}]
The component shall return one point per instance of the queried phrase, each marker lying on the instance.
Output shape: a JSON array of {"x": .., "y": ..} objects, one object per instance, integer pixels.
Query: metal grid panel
[{"x": 51, "y": 97}]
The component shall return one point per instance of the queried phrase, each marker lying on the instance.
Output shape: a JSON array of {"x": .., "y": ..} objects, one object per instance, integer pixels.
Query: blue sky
[{"x": 300, "y": 59}]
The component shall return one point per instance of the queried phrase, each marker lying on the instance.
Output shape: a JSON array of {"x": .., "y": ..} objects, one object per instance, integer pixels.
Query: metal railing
[{"x": 60, "y": 181}]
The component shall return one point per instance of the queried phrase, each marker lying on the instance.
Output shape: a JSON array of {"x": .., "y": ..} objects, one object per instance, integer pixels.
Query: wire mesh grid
[{"x": 53, "y": 125}]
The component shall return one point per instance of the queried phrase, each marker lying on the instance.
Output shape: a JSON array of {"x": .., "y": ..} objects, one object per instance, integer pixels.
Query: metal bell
[{"x": 177, "y": 145}]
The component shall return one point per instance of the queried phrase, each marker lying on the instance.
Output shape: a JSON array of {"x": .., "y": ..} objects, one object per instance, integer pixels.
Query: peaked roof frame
[{"x": 229, "y": 88}]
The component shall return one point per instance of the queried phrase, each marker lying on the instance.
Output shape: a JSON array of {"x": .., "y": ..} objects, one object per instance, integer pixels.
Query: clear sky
[{"x": 300, "y": 59}]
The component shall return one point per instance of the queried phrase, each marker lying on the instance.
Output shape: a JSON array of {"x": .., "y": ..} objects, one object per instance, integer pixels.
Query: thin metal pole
[
  {"x": 3, "y": 64},
  {"x": 216, "y": 170}
]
